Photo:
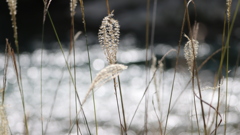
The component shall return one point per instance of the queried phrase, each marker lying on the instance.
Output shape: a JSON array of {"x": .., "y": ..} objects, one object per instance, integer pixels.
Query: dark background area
[{"x": 130, "y": 13}]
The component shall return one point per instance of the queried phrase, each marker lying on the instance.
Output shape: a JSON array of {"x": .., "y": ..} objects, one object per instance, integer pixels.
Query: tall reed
[
  {"x": 208, "y": 116},
  {"x": 108, "y": 37}
]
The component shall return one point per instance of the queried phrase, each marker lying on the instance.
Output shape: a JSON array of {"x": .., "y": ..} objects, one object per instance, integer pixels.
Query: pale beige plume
[
  {"x": 108, "y": 37},
  {"x": 73, "y": 4},
  {"x": 106, "y": 74},
  {"x": 228, "y": 3},
  {"x": 12, "y": 5},
  {"x": 190, "y": 52}
]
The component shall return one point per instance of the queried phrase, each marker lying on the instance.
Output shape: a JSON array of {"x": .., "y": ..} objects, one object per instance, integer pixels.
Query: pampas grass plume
[
  {"x": 108, "y": 37},
  {"x": 106, "y": 74},
  {"x": 190, "y": 52}
]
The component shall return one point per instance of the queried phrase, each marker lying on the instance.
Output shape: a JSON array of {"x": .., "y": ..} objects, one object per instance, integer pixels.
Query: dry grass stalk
[
  {"x": 157, "y": 85},
  {"x": 77, "y": 35},
  {"x": 106, "y": 74},
  {"x": 46, "y": 6},
  {"x": 5, "y": 70},
  {"x": 12, "y": 54},
  {"x": 108, "y": 37},
  {"x": 195, "y": 30},
  {"x": 190, "y": 52},
  {"x": 154, "y": 62}
]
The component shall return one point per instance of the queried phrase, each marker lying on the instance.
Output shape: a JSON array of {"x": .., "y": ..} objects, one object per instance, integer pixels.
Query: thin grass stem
[
  {"x": 175, "y": 70},
  {"x": 11, "y": 53},
  {"x": 147, "y": 64},
  {"x": 5, "y": 72},
  {"x": 108, "y": 7},
  {"x": 89, "y": 62},
  {"x": 224, "y": 49},
  {"x": 118, "y": 107},
  {"x": 41, "y": 81},
  {"x": 123, "y": 111},
  {"x": 70, "y": 73},
  {"x": 195, "y": 72}
]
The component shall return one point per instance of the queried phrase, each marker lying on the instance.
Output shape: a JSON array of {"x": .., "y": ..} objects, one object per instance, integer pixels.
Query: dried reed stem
[
  {"x": 46, "y": 6},
  {"x": 108, "y": 7},
  {"x": 11, "y": 53}
]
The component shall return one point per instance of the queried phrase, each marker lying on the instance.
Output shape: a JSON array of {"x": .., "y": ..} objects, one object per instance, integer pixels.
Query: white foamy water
[{"x": 58, "y": 94}]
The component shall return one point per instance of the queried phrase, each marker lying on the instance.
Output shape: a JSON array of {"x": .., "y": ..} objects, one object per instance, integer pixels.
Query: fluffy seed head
[
  {"x": 106, "y": 74},
  {"x": 12, "y": 5},
  {"x": 190, "y": 52},
  {"x": 228, "y": 3},
  {"x": 73, "y": 4},
  {"x": 108, "y": 37}
]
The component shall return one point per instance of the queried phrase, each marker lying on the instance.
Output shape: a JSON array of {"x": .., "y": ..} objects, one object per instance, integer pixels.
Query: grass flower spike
[
  {"x": 73, "y": 4},
  {"x": 190, "y": 52},
  {"x": 12, "y": 5},
  {"x": 104, "y": 76},
  {"x": 108, "y": 37},
  {"x": 228, "y": 3}
]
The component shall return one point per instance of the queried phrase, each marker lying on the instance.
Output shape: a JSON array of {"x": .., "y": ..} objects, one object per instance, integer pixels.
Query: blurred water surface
[{"x": 58, "y": 93}]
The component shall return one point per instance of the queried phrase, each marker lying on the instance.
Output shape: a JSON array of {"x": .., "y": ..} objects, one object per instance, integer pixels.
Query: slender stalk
[
  {"x": 195, "y": 109},
  {"x": 12, "y": 5},
  {"x": 220, "y": 68},
  {"x": 72, "y": 48},
  {"x": 195, "y": 72},
  {"x": 5, "y": 72},
  {"x": 89, "y": 63},
  {"x": 146, "y": 89},
  {"x": 175, "y": 70},
  {"x": 70, "y": 108},
  {"x": 11, "y": 52},
  {"x": 147, "y": 65},
  {"x": 224, "y": 49},
  {"x": 70, "y": 73},
  {"x": 118, "y": 107},
  {"x": 108, "y": 7},
  {"x": 45, "y": 10},
  {"x": 227, "y": 68},
  {"x": 41, "y": 80},
  {"x": 123, "y": 111},
  {"x": 144, "y": 93}
]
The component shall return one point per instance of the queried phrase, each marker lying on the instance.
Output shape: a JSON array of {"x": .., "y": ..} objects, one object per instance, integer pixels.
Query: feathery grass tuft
[
  {"x": 228, "y": 4},
  {"x": 108, "y": 37},
  {"x": 105, "y": 75},
  {"x": 12, "y": 5},
  {"x": 190, "y": 52},
  {"x": 73, "y": 4}
]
